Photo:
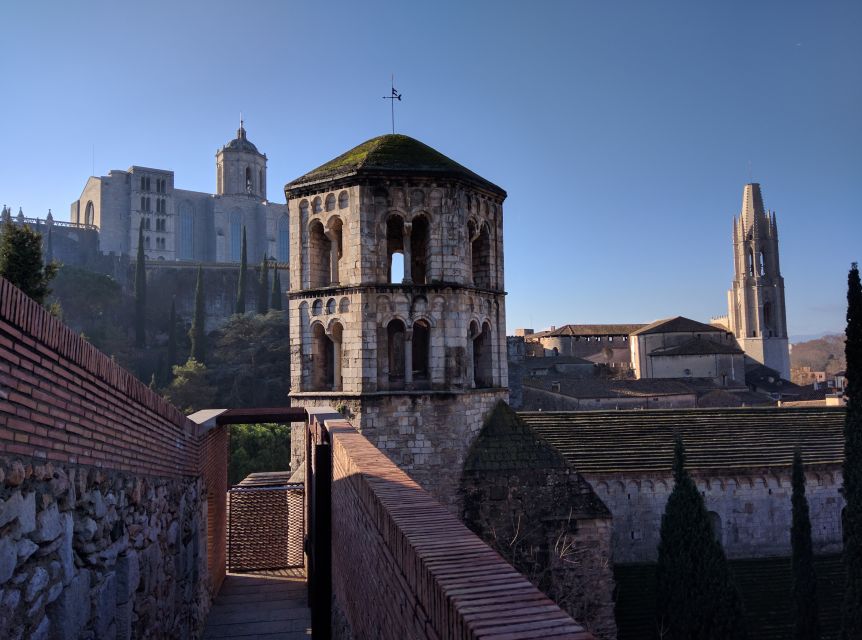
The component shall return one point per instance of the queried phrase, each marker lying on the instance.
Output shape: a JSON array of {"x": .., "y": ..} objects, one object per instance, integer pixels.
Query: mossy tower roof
[{"x": 390, "y": 155}]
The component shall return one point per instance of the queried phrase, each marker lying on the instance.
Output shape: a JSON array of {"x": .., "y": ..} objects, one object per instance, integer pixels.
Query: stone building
[
  {"x": 188, "y": 225},
  {"x": 683, "y": 348},
  {"x": 415, "y": 361},
  {"x": 65, "y": 242},
  {"x": 756, "y": 312},
  {"x": 606, "y": 344}
]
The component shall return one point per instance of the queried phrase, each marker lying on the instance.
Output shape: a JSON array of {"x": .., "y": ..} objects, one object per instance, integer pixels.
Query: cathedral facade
[
  {"x": 756, "y": 311},
  {"x": 191, "y": 226},
  {"x": 397, "y": 311}
]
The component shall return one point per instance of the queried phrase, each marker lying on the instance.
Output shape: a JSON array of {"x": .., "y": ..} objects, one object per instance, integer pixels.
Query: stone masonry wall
[
  {"x": 103, "y": 505},
  {"x": 522, "y": 498},
  {"x": 425, "y": 434},
  {"x": 751, "y": 509}
]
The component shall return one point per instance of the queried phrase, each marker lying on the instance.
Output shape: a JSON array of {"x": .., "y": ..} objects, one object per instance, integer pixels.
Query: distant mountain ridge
[{"x": 821, "y": 354}]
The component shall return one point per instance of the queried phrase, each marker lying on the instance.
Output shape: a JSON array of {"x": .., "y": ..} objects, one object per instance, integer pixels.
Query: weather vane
[{"x": 392, "y": 98}]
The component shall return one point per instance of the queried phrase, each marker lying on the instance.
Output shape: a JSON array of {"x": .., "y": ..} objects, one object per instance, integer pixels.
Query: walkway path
[{"x": 260, "y": 606}]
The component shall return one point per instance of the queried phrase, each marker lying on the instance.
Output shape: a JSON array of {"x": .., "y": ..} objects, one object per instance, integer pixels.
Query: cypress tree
[
  {"x": 197, "y": 333},
  {"x": 140, "y": 292},
  {"x": 275, "y": 301},
  {"x": 21, "y": 261},
  {"x": 852, "y": 622},
  {"x": 804, "y": 584},
  {"x": 696, "y": 597},
  {"x": 172, "y": 335},
  {"x": 243, "y": 267},
  {"x": 263, "y": 287}
]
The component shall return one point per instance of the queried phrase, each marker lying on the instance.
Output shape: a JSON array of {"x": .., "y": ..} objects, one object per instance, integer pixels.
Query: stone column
[
  {"x": 471, "y": 372},
  {"x": 408, "y": 267},
  {"x": 408, "y": 359},
  {"x": 336, "y": 365},
  {"x": 333, "y": 256}
]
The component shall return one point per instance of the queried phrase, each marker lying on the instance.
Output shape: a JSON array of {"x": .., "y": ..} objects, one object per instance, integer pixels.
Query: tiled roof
[
  {"x": 599, "y": 388},
  {"x": 617, "y": 441},
  {"x": 590, "y": 330},
  {"x": 677, "y": 324},
  {"x": 696, "y": 347},
  {"x": 550, "y": 361}
]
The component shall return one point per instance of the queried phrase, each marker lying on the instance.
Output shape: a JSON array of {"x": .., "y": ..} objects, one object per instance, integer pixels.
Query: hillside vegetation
[{"x": 823, "y": 354}]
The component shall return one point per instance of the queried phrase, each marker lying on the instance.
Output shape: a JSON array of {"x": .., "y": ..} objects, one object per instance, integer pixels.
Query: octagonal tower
[{"x": 397, "y": 310}]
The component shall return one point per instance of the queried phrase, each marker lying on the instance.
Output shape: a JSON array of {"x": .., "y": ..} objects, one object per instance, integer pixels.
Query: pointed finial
[{"x": 50, "y": 217}]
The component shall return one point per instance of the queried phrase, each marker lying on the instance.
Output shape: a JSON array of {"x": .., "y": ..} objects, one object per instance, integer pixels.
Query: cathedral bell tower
[
  {"x": 397, "y": 307},
  {"x": 756, "y": 299},
  {"x": 240, "y": 167}
]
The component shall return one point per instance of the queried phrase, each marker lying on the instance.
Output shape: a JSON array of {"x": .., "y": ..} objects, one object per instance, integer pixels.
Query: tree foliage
[
  {"x": 804, "y": 582},
  {"x": 852, "y": 619},
  {"x": 263, "y": 287},
  {"x": 140, "y": 292},
  {"x": 190, "y": 389},
  {"x": 243, "y": 268},
  {"x": 21, "y": 261},
  {"x": 696, "y": 597},
  {"x": 197, "y": 332},
  {"x": 275, "y": 294},
  {"x": 250, "y": 362},
  {"x": 258, "y": 447}
]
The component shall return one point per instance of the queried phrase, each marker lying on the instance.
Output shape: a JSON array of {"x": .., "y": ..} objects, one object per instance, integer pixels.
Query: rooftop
[
  {"x": 697, "y": 347},
  {"x": 726, "y": 439},
  {"x": 392, "y": 154},
  {"x": 589, "y": 330},
  {"x": 677, "y": 324}
]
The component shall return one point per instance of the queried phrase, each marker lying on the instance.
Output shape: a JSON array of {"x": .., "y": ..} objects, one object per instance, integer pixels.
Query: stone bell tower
[
  {"x": 756, "y": 299},
  {"x": 397, "y": 310}
]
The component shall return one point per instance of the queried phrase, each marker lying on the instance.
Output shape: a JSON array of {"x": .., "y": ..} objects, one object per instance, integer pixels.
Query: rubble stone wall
[{"x": 103, "y": 505}]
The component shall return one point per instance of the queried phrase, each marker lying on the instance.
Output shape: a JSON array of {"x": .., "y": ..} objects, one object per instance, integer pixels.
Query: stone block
[
  {"x": 42, "y": 629},
  {"x": 38, "y": 582},
  {"x": 67, "y": 558},
  {"x": 128, "y": 576},
  {"x": 8, "y": 558},
  {"x": 105, "y": 602},
  {"x": 26, "y": 548},
  {"x": 48, "y": 524},
  {"x": 123, "y": 620},
  {"x": 71, "y": 611}
]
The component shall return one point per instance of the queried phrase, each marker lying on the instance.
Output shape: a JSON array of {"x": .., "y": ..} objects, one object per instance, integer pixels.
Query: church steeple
[
  {"x": 756, "y": 300},
  {"x": 240, "y": 167}
]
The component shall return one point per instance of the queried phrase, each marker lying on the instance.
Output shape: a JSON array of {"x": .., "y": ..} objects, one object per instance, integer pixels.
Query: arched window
[
  {"x": 394, "y": 246},
  {"x": 762, "y": 264},
  {"x": 419, "y": 250},
  {"x": 750, "y": 262},
  {"x": 481, "y": 258},
  {"x": 343, "y": 200},
  {"x": 715, "y": 523},
  {"x": 395, "y": 332},
  {"x": 89, "y": 214},
  {"x": 283, "y": 247},
  {"x": 316, "y": 206},
  {"x": 482, "y": 357},
  {"x": 320, "y": 252},
  {"x": 421, "y": 353},
  {"x": 249, "y": 188},
  {"x": 330, "y": 202},
  {"x": 235, "y": 231},
  {"x": 335, "y": 227},
  {"x": 187, "y": 231},
  {"x": 261, "y": 187},
  {"x": 396, "y": 268},
  {"x": 768, "y": 318},
  {"x": 322, "y": 356}
]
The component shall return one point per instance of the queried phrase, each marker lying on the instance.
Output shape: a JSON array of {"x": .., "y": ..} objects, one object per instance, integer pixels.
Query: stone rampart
[
  {"x": 750, "y": 510},
  {"x": 104, "y": 492},
  {"x": 404, "y": 567}
]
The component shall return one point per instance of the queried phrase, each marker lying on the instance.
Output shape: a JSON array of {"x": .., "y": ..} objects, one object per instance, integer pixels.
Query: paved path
[{"x": 256, "y": 606}]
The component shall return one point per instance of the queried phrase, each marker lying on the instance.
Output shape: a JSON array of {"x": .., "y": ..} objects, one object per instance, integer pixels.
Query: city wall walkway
[{"x": 268, "y": 605}]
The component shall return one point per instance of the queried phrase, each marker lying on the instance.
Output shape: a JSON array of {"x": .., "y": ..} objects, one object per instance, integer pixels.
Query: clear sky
[{"x": 622, "y": 131}]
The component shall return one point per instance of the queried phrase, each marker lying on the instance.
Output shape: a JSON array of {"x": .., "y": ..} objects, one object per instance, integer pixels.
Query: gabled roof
[
  {"x": 696, "y": 347},
  {"x": 677, "y": 324},
  {"x": 642, "y": 440},
  {"x": 590, "y": 330},
  {"x": 599, "y": 388},
  {"x": 392, "y": 154}
]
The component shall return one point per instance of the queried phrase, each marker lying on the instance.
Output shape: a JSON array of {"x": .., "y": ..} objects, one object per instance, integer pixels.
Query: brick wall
[
  {"x": 107, "y": 493},
  {"x": 63, "y": 400},
  {"x": 403, "y": 566}
]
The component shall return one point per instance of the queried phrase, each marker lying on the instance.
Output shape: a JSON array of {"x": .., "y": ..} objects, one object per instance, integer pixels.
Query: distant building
[
  {"x": 599, "y": 343},
  {"x": 181, "y": 225},
  {"x": 683, "y": 348},
  {"x": 756, "y": 311}
]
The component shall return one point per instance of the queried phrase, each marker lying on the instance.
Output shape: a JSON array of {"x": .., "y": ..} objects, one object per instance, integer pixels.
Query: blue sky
[{"x": 622, "y": 131}]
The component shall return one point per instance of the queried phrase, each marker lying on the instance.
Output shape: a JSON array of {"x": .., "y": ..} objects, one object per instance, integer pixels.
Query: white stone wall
[{"x": 753, "y": 508}]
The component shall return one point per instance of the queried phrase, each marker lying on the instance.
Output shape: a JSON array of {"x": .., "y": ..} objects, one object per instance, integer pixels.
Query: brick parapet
[
  {"x": 403, "y": 566},
  {"x": 63, "y": 400}
]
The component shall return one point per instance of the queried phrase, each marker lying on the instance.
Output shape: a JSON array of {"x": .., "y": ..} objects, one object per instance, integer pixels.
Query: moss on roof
[{"x": 390, "y": 154}]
